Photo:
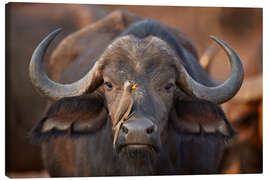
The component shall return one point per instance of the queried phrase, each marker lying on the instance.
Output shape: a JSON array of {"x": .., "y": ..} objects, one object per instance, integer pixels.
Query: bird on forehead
[{"x": 131, "y": 84}]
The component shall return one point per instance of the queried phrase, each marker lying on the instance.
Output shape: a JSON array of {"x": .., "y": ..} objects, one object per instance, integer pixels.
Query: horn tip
[
  {"x": 55, "y": 32},
  {"x": 58, "y": 30},
  {"x": 214, "y": 37},
  {"x": 219, "y": 41}
]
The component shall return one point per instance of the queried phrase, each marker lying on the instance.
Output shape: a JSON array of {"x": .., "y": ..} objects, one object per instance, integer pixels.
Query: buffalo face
[{"x": 139, "y": 86}]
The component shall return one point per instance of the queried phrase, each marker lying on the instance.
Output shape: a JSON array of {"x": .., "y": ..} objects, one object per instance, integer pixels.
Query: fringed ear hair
[
  {"x": 72, "y": 116},
  {"x": 201, "y": 118}
]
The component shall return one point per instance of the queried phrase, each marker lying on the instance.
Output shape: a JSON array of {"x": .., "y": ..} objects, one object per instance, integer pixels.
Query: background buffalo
[{"x": 27, "y": 24}]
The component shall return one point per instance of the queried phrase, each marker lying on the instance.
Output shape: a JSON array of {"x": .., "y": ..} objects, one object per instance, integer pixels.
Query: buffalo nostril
[
  {"x": 150, "y": 130},
  {"x": 124, "y": 129}
]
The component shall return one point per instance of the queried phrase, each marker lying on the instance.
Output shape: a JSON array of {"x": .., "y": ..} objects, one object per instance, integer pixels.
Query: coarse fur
[
  {"x": 149, "y": 27},
  {"x": 161, "y": 134}
]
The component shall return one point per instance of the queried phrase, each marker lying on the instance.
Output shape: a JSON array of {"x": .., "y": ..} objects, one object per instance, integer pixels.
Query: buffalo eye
[
  {"x": 108, "y": 86},
  {"x": 169, "y": 87}
]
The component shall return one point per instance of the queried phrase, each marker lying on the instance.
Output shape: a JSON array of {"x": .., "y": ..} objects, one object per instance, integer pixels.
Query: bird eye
[
  {"x": 108, "y": 85},
  {"x": 169, "y": 86}
]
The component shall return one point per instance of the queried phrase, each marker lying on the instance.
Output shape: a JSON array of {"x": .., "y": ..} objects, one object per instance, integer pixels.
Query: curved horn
[
  {"x": 223, "y": 92},
  {"x": 55, "y": 90}
]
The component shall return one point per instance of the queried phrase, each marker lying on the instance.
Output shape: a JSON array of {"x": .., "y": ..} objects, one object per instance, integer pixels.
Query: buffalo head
[{"x": 136, "y": 86}]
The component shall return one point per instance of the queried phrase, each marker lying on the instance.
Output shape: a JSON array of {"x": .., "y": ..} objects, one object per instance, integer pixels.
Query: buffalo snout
[
  {"x": 143, "y": 128},
  {"x": 138, "y": 135}
]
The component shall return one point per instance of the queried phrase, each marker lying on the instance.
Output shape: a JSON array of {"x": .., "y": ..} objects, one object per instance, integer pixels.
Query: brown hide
[
  {"x": 74, "y": 115},
  {"x": 202, "y": 117},
  {"x": 26, "y": 22},
  {"x": 63, "y": 149}
]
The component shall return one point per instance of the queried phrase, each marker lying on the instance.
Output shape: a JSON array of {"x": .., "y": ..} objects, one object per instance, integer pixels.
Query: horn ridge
[
  {"x": 52, "y": 89},
  {"x": 224, "y": 91}
]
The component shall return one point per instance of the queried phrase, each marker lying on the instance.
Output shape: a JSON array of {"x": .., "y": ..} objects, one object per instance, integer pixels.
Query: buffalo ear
[
  {"x": 72, "y": 116},
  {"x": 201, "y": 118}
]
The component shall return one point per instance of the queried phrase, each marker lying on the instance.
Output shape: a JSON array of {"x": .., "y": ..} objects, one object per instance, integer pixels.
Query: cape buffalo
[{"x": 145, "y": 106}]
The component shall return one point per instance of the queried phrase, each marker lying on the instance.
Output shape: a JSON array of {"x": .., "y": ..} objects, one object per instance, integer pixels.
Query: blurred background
[{"x": 28, "y": 23}]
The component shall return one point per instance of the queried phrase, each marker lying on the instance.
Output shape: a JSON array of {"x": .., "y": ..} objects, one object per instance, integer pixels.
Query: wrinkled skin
[
  {"x": 158, "y": 152},
  {"x": 94, "y": 155},
  {"x": 161, "y": 129},
  {"x": 154, "y": 96}
]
